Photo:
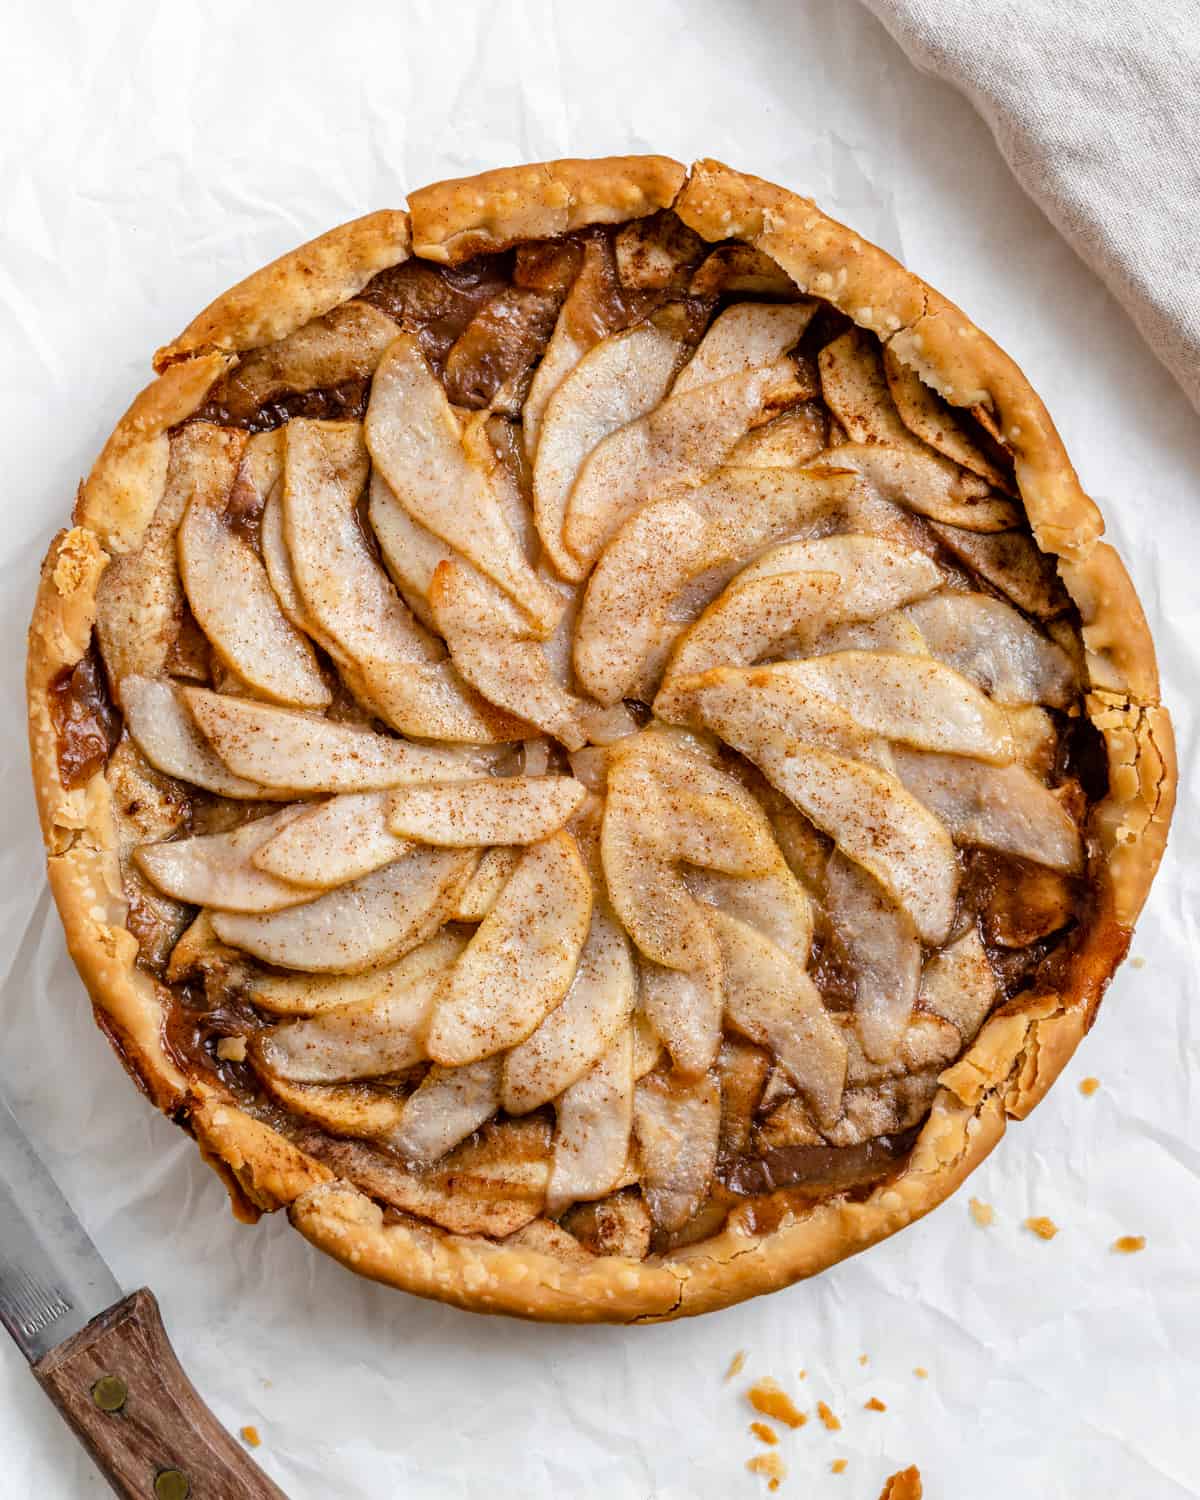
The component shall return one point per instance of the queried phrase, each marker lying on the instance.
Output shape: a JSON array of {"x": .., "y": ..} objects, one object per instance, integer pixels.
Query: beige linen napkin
[{"x": 1095, "y": 105}]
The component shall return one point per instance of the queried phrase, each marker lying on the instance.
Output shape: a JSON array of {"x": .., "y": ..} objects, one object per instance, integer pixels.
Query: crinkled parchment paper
[{"x": 150, "y": 155}]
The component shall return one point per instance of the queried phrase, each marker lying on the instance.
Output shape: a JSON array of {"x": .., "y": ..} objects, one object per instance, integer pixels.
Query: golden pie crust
[{"x": 1023, "y": 1045}]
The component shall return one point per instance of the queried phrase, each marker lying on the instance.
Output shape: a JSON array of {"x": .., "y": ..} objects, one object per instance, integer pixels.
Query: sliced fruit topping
[
  {"x": 999, "y": 807},
  {"x": 303, "y": 753},
  {"x": 683, "y": 1006},
  {"x": 915, "y": 699},
  {"x": 776, "y": 903},
  {"x": 788, "y": 441},
  {"x": 415, "y": 441},
  {"x": 1011, "y": 562},
  {"x": 923, "y": 481},
  {"x": 483, "y": 889},
  {"x": 684, "y": 438},
  {"x": 495, "y": 650},
  {"x": 739, "y": 268},
  {"x": 745, "y": 337},
  {"x": 576, "y": 1033},
  {"x": 618, "y": 381},
  {"x": 167, "y": 736},
  {"x": 139, "y": 598},
  {"x": 346, "y": 344},
  {"x": 856, "y": 390},
  {"x": 410, "y": 552},
  {"x": 334, "y": 842},
  {"x": 770, "y": 999},
  {"x": 278, "y": 564},
  {"x": 361, "y": 1111},
  {"x": 314, "y": 994},
  {"x": 357, "y": 926},
  {"x": 657, "y": 252},
  {"x": 668, "y": 561},
  {"x": 997, "y": 648},
  {"x": 884, "y": 951},
  {"x": 237, "y": 609},
  {"x": 786, "y": 598},
  {"x": 940, "y": 425},
  {"x": 509, "y": 810},
  {"x": 866, "y": 811},
  {"x": 959, "y": 985},
  {"x": 595, "y": 1118},
  {"x": 217, "y": 869},
  {"x": 677, "y": 1126},
  {"x": 521, "y": 960},
  {"x": 448, "y": 1106},
  {"x": 368, "y": 1038},
  {"x": 489, "y": 363}
]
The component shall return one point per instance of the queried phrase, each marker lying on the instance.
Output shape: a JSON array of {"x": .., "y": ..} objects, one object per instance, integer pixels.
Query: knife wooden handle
[{"x": 121, "y": 1388}]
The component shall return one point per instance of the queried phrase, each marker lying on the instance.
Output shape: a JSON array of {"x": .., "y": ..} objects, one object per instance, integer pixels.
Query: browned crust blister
[{"x": 1020, "y": 1050}]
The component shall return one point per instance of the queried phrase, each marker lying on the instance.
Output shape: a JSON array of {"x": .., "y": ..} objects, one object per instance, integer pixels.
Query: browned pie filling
[{"x": 691, "y": 677}]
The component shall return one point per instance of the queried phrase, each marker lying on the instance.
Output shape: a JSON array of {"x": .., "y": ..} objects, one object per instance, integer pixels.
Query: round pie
[{"x": 588, "y": 743}]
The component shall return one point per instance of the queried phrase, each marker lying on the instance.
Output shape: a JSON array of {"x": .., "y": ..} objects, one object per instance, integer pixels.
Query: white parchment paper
[{"x": 150, "y": 155}]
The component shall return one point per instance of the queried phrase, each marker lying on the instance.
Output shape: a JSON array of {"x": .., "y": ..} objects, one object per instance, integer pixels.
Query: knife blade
[{"x": 104, "y": 1359}]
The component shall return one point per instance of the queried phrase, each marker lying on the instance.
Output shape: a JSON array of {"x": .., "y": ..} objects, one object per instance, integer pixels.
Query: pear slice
[
  {"x": 670, "y": 559},
  {"x": 926, "y": 483},
  {"x": 915, "y": 699},
  {"x": 521, "y": 960},
  {"x": 937, "y": 423},
  {"x": 996, "y": 647},
  {"x": 775, "y": 903},
  {"x": 302, "y": 753},
  {"x": 959, "y": 985},
  {"x": 415, "y": 442},
  {"x": 139, "y": 598},
  {"x": 360, "y": 925},
  {"x": 492, "y": 647},
  {"x": 792, "y": 594},
  {"x": 167, "y": 736},
  {"x": 410, "y": 552},
  {"x": 620, "y": 380},
  {"x": 884, "y": 951},
  {"x": 772, "y": 1001},
  {"x": 343, "y": 1109},
  {"x": 999, "y": 807},
  {"x": 739, "y": 268},
  {"x": 647, "y": 1044},
  {"x": 333, "y": 843},
  {"x": 483, "y": 889},
  {"x": 892, "y": 632},
  {"x": 865, "y": 810},
  {"x": 278, "y": 565},
  {"x": 683, "y": 1006},
  {"x": 1011, "y": 562},
  {"x": 450, "y": 1104},
  {"x": 368, "y": 1038},
  {"x": 744, "y": 337},
  {"x": 294, "y": 994},
  {"x": 237, "y": 609},
  {"x": 856, "y": 390},
  {"x": 588, "y": 313},
  {"x": 217, "y": 869},
  {"x": 576, "y": 1033},
  {"x": 788, "y": 441},
  {"x": 509, "y": 810},
  {"x": 684, "y": 438},
  {"x": 595, "y": 1120},
  {"x": 677, "y": 1128}
]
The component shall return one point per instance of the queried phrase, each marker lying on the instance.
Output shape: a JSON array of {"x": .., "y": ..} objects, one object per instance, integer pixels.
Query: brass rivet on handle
[
  {"x": 172, "y": 1484},
  {"x": 109, "y": 1393}
]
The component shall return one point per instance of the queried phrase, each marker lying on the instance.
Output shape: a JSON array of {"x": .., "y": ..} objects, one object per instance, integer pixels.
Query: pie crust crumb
[
  {"x": 736, "y": 1365},
  {"x": 983, "y": 1213},
  {"x": 770, "y": 1466},
  {"x": 826, "y": 1416},
  {"x": 232, "y": 1049},
  {"x": 864, "y": 1359},
  {"x": 768, "y": 1397},
  {"x": 1088, "y": 1087},
  {"x": 920, "y": 1372},
  {"x": 1044, "y": 1228},
  {"x": 250, "y": 1437},
  {"x": 1129, "y": 1244},
  {"x": 838, "y": 1466},
  {"x": 905, "y": 1484},
  {"x": 764, "y": 1433},
  {"x": 874, "y": 1404}
]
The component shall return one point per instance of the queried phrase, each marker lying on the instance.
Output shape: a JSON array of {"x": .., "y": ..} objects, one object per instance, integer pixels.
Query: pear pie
[{"x": 588, "y": 742}]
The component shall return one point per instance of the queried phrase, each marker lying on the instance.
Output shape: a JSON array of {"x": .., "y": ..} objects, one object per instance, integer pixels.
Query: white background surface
[{"x": 150, "y": 155}]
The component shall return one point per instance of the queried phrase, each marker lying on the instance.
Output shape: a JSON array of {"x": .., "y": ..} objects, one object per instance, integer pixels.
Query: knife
[{"x": 104, "y": 1359}]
